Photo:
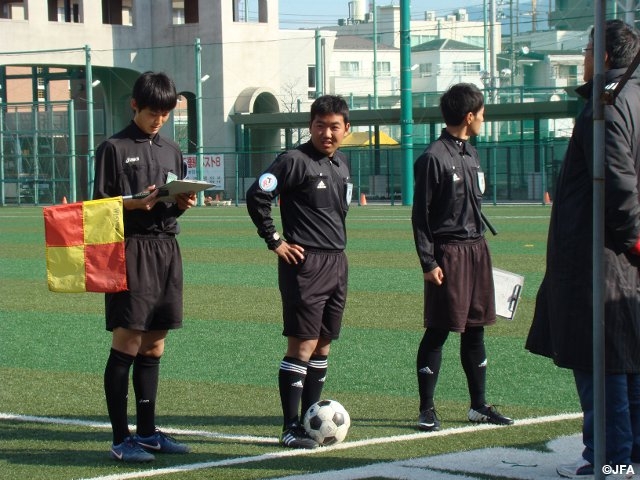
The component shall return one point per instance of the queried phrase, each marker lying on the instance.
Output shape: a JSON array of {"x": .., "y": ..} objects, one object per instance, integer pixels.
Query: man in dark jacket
[{"x": 562, "y": 323}]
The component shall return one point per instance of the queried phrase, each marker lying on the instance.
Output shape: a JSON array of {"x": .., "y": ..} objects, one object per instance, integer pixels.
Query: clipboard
[
  {"x": 508, "y": 288},
  {"x": 167, "y": 192}
]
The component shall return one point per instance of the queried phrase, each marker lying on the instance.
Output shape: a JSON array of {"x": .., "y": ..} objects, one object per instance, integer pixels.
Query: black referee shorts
[
  {"x": 466, "y": 297},
  {"x": 154, "y": 276},
  {"x": 314, "y": 294}
]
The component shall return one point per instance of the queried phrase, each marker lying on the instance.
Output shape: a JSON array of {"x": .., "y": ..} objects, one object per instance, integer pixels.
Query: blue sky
[{"x": 317, "y": 13}]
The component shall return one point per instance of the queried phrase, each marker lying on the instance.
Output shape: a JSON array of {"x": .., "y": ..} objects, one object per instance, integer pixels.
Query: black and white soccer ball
[{"x": 327, "y": 422}]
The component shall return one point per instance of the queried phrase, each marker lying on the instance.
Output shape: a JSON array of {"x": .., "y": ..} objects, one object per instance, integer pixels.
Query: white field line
[
  {"x": 107, "y": 426},
  {"x": 281, "y": 453}
]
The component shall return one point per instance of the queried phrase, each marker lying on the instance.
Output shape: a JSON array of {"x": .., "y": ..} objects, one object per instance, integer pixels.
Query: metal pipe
[
  {"x": 319, "y": 86},
  {"x": 599, "y": 151},
  {"x": 73, "y": 196},
  {"x": 90, "y": 133},
  {"x": 406, "y": 105},
  {"x": 375, "y": 55},
  {"x": 199, "y": 136}
]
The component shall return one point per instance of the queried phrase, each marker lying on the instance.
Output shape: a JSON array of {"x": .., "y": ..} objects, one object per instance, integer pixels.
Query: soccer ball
[{"x": 327, "y": 422}]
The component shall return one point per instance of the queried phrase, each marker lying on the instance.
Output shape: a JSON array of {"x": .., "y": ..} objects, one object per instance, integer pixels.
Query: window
[
  {"x": 311, "y": 81},
  {"x": 350, "y": 69},
  {"x": 64, "y": 11},
  {"x": 13, "y": 9},
  {"x": 184, "y": 11},
  {"x": 117, "y": 12},
  {"x": 250, "y": 11},
  {"x": 383, "y": 69},
  {"x": 425, "y": 69},
  {"x": 568, "y": 72},
  {"x": 466, "y": 68},
  {"x": 311, "y": 76},
  {"x": 177, "y": 14}
]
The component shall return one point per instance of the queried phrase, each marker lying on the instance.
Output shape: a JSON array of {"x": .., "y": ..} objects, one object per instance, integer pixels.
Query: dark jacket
[
  {"x": 449, "y": 184},
  {"x": 130, "y": 161},
  {"x": 314, "y": 192},
  {"x": 562, "y": 323}
]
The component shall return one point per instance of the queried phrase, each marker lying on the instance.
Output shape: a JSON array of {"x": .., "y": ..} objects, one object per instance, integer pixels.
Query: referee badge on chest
[
  {"x": 481, "y": 184},
  {"x": 348, "y": 192}
]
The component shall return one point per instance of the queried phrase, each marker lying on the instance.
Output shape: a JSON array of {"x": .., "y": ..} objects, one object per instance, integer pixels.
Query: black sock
[
  {"x": 428, "y": 362},
  {"x": 291, "y": 378},
  {"x": 316, "y": 375},
  {"x": 474, "y": 362},
  {"x": 146, "y": 371},
  {"x": 116, "y": 386}
]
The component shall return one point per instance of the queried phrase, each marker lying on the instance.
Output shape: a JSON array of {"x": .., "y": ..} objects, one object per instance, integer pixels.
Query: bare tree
[{"x": 290, "y": 101}]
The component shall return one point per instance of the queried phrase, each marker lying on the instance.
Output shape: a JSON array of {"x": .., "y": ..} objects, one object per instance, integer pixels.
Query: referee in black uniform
[
  {"x": 314, "y": 187},
  {"x": 134, "y": 160},
  {"x": 453, "y": 254}
]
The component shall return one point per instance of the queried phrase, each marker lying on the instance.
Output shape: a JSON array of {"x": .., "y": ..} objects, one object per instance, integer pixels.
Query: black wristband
[{"x": 274, "y": 242}]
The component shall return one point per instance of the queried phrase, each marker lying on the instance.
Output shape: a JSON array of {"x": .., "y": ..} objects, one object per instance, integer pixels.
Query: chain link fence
[{"x": 39, "y": 163}]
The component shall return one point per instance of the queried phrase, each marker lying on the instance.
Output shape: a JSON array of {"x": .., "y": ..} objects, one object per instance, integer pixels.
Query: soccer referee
[{"x": 314, "y": 186}]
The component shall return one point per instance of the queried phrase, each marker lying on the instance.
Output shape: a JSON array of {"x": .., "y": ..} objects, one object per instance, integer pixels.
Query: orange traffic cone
[
  {"x": 547, "y": 199},
  {"x": 64, "y": 200},
  {"x": 363, "y": 199}
]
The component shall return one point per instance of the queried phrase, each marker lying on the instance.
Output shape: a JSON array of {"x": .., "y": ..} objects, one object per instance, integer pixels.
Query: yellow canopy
[{"x": 361, "y": 139}]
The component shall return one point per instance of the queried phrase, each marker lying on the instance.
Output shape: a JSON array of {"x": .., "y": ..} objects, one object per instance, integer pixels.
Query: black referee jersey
[
  {"x": 130, "y": 161},
  {"x": 449, "y": 184},
  {"x": 315, "y": 193}
]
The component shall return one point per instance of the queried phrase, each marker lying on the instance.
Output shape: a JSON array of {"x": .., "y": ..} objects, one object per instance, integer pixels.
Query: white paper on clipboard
[
  {"x": 508, "y": 287},
  {"x": 168, "y": 191}
]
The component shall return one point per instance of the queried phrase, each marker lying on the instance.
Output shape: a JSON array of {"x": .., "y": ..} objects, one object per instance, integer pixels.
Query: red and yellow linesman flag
[{"x": 85, "y": 246}]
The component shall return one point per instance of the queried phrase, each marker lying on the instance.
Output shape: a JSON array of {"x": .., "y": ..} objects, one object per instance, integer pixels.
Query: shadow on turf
[
  {"x": 51, "y": 447},
  {"x": 77, "y": 445}
]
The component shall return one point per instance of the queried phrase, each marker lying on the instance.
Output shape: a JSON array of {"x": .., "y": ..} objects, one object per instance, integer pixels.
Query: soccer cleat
[
  {"x": 428, "y": 420},
  {"x": 295, "y": 436},
  {"x": 130, "y": 451},
  {"x": 161, "y": 443},
  {"x": 579, "y": 469},
  {"x": 488, "y": 414}
]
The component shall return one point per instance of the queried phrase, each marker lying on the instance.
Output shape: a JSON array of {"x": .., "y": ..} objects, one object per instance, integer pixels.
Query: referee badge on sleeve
[
  {"x": 348, "y": 193},
  {"x": 267, "y": 182}
]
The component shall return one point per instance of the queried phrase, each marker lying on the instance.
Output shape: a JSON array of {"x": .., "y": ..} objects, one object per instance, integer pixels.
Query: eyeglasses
[{"x": 586, "y": 49}]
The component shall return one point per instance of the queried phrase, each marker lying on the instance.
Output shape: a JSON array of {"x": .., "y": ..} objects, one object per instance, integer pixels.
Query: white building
[
  {"x": 444, "y": 62},
  {"x": 456, "y": 25},
  {"x": 551, "y": 58},
  {"x": 239, "y": 54}
]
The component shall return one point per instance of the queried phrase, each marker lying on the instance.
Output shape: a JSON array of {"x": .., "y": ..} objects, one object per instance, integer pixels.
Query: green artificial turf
[{"x": 219, "y": 372}]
